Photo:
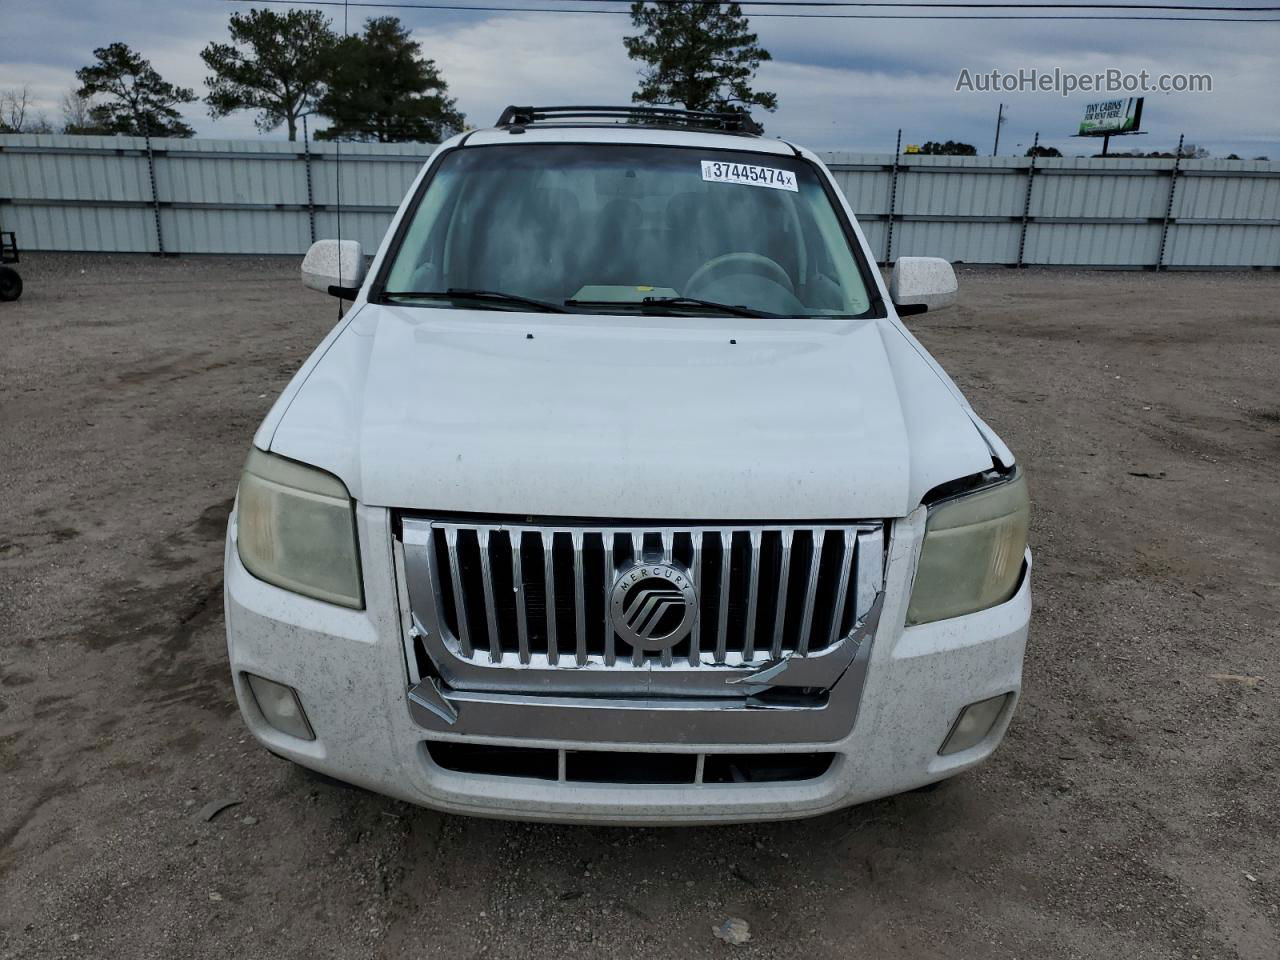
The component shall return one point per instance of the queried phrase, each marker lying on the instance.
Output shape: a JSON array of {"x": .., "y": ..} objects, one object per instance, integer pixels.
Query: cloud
[
  {"x": 531, "y": 59},
  {"x": 842, "y": 84}
]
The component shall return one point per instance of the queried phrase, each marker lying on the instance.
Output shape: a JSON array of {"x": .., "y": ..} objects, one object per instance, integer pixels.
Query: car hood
[{"x": 627, "y": 417}]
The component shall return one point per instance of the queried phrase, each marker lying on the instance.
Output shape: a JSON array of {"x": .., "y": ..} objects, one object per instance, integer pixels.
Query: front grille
[{"x": 524, "y": 594}]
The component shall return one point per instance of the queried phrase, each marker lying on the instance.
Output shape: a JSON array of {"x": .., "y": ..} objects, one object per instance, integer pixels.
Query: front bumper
[{"x": 348, "y": 667}]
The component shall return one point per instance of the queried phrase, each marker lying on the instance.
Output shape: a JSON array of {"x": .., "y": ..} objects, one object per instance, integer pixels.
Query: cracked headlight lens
[
  {"x": 972, "y": 553},
  {"x": 295, "y": 528}
]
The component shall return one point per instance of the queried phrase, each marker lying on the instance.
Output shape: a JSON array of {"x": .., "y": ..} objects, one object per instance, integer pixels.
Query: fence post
[
  {"x": 306, "y": 157},
  {"x": 1026, "y": 203},
  {"x": 1168, "y": 210},
  {"x": 893, "y": 200},
  {"x": 155, "y": 197}
]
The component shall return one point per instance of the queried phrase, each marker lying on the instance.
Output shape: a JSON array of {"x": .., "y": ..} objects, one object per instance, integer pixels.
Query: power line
[
  {"x": 928, "y": 5},
  {"x": 821, "y": 16},
  {"x": 914, "y": 4}
]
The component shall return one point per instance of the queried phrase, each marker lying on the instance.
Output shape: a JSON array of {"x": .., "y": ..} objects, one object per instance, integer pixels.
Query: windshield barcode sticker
[{"x": 717, "y": 171}]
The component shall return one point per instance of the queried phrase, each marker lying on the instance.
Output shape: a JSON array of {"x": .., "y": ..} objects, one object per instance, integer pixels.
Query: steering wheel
[{"x": 731, "y": 263}]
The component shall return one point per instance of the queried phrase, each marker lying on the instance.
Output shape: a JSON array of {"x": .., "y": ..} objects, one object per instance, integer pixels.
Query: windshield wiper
[
  {"x": 479, "y": 296},
  {"x": 654, "y": 304}
]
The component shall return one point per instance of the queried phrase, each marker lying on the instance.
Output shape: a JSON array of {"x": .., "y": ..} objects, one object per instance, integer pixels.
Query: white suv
[{"x": 621, "y": 494}]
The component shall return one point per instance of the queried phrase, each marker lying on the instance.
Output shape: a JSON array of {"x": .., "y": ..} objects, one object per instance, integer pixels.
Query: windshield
[{"x": 616, "y": 228}]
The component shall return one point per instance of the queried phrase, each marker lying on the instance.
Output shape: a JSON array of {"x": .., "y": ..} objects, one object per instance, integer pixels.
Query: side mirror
[
  {"x": 335, "y": 267},
  {"x": 918, "y": 284}
]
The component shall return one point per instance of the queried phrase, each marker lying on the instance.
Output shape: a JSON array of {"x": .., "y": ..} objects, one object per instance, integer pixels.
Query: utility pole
[{"x": 999, "y": 123}]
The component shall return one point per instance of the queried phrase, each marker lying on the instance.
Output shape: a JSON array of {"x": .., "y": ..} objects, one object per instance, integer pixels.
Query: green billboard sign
[{"x": 1111, "y": 116}]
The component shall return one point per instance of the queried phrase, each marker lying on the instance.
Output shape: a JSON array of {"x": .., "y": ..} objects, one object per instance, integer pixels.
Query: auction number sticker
[{"x": 717, "y": 171}]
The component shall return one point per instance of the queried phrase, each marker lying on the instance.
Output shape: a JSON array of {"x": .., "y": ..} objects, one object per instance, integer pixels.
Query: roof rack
[{"x": 727, "y": 121}]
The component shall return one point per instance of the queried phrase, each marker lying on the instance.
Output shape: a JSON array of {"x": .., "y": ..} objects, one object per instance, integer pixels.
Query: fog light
[
  {"x": 973, "y": 724},
  {"x": 280, "y": 706}
]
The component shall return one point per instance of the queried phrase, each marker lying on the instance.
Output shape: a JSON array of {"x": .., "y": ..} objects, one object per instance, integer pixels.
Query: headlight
[
  {"x": 295, "y": 528},
  {"x": 972, "y": 553}
]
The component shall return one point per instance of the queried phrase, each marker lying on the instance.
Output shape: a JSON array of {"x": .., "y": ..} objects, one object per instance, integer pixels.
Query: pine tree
[
  {"x": 276, "y": 63},
  {"x": 701, "y": 55},
  {"x": 138, "y": 101},
  {"x": 382, "y": 90}
]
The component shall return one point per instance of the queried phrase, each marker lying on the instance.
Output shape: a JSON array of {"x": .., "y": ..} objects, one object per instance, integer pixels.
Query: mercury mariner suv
[{"x": 622, "y": 494}]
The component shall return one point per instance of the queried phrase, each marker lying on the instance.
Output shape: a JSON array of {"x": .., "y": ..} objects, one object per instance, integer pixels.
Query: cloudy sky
[{"x": 842, "y": 84}]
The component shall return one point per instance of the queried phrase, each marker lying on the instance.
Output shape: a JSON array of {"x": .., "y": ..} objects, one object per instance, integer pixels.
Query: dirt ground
[{"x": 1133, "y": 812}]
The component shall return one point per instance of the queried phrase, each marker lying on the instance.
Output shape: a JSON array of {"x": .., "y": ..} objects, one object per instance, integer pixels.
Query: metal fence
[{"x": 116, "y": 194}]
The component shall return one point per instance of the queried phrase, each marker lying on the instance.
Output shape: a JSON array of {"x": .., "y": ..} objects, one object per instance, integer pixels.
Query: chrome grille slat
[
  {"x": 753, "y": 596},
  {"x": 764, "y": 590},
  {"x": 842, "y": 591},
  {"x": 607, "y": 543},
  {"x": 580, "y": 621},
  {"x": 668, "y": 542},
  {"x": 464, "y": 635},
  {"x": 810, "y": 594},
  {"x": 549, "y": 585},
  {"x": 491, "y": 611},
  {"x": 517, "y": 587},
  {"x": 784, "y": 584},
  {"x": 695, "y": 637},
  {"x": 722, "y": 613}
]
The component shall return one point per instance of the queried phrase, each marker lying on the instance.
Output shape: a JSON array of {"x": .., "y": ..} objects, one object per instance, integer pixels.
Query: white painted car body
[{"x": 453, "y": 411}]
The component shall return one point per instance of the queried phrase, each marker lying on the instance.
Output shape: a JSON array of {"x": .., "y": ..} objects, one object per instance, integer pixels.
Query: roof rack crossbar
[{"x": 735, "y": 121}]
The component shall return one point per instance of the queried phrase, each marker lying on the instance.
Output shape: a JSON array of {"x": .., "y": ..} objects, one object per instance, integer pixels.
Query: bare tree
[
  {"x": 17, "y": 115},
  {"x": 75, "y": 113}
]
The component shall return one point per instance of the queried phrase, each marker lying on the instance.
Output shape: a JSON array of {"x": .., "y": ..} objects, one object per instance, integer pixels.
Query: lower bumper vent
[{"x": 613, "y": 766}]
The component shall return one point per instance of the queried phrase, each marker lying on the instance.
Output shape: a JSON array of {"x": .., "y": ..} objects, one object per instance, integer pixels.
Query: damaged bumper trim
[
  {"x": 821, "y": 671},
  {"x": 772, "y": 709}
]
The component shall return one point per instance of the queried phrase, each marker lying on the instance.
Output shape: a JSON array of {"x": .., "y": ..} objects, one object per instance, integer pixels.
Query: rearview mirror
[
  {"x": 918, "y": 284},
  {"x": 335, "y": 267}
]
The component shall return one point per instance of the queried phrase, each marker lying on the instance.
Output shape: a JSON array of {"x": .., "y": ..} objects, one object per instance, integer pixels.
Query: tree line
[
  {"x": 283, "y": 66},
  {"x": 376, "y": 85}
]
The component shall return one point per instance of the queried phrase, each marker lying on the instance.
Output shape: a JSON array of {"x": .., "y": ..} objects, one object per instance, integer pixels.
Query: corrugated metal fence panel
[
  {"x": 877, "y": 233},
  {"x": 1108, "y": 188},
  {"x": 957, "y": 241},
  {"x": 1222, "y": 245},
  {"x": 213, "y": 230},
  {"x": 1212, "y": 189},
  {"x": 1226, "y": 213},
  {"x": 95, "y": 228},
  {"x": 260, "y": 179},
  {"x": 51, "y": 167},
  {"x": 864, "y": 178},
  {"x": 962, "y": 187},
  {"x": 233, "y": 196},
  {"x": 1092, "y": 244},
  {"x": 65, "y": 191}
]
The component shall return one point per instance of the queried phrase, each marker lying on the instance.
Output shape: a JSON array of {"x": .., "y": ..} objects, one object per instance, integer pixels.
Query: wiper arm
[
  {"x": 730, "y": 308},
  {"x": 479, "y": 296},
  {"x": 654, "y": 304}
]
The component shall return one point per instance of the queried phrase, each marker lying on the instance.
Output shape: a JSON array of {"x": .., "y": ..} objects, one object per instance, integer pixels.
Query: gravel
[{"x": 1133, "y": 811}]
